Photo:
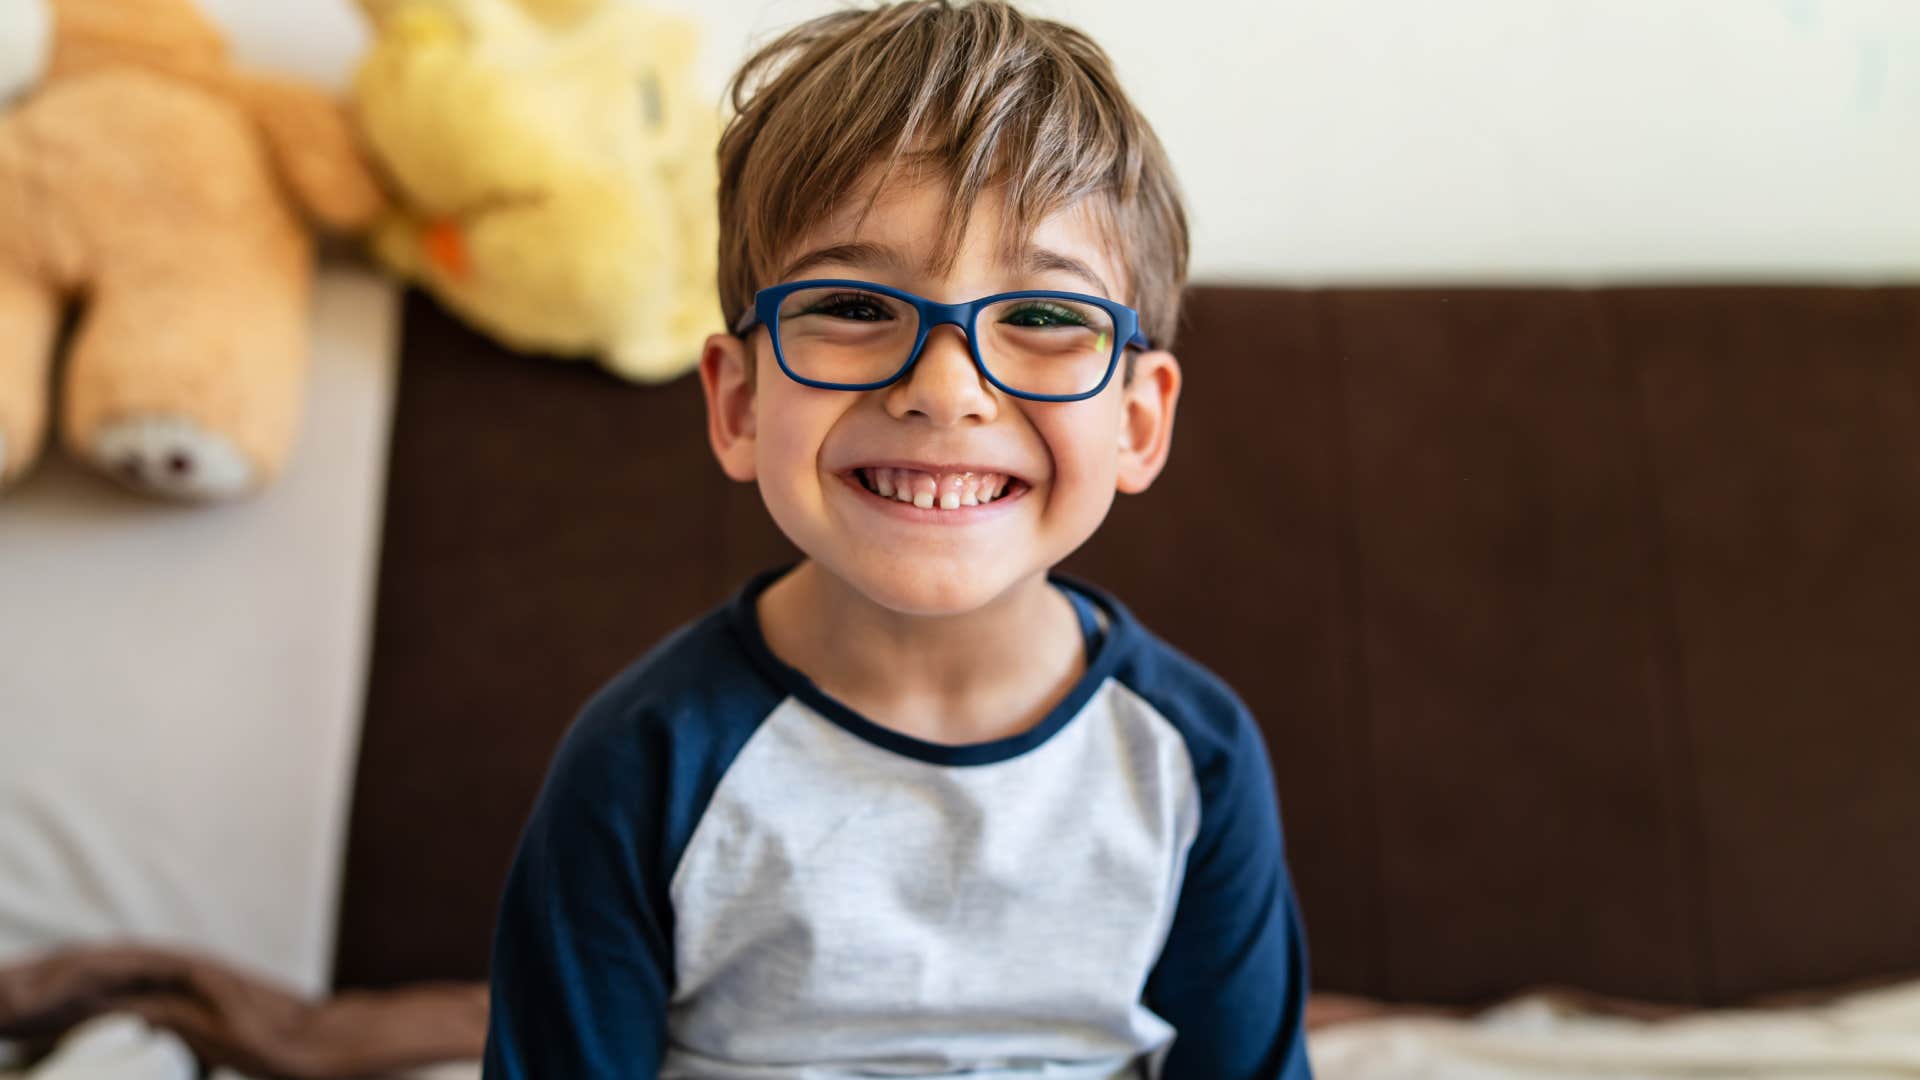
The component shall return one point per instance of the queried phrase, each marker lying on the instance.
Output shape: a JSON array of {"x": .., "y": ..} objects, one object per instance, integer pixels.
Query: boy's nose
[{"x": 943, "y": 386}]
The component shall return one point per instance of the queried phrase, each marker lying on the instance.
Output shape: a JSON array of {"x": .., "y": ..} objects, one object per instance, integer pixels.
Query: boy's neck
[{"x": 988, "y": 674}]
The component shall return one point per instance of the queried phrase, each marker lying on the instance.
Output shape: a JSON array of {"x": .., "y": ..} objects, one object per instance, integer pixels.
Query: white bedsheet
[{"x": 1871, "y": 1035}]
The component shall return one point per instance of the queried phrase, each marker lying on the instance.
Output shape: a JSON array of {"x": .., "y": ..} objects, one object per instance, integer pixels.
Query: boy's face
[{"x": 806, "y": 446}]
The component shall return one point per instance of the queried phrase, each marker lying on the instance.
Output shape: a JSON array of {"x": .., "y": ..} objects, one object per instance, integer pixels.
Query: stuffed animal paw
[
  {"x": 158, "y": 193},
  {"x": 554, "y": 172}
]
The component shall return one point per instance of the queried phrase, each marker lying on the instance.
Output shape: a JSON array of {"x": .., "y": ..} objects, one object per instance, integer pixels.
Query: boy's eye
[
  {"x": 1040, "y": 313},
  {"x": 855, "y": 307}
]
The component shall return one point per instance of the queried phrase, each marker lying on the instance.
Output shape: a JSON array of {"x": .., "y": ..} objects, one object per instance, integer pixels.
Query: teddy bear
[
  {"x": 151, "y": 215},
  {"x": 553, "y": 173}
]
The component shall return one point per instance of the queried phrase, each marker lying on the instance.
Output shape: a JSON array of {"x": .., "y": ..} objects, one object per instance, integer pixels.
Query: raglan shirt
[{"x": 729, "y": 874}]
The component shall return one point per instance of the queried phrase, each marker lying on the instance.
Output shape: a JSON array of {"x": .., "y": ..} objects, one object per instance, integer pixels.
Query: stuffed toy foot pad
[{"x": 172, "y": 456}]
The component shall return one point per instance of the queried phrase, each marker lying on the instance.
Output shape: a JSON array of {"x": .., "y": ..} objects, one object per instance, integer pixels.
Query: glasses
[{"x": 839, "y": 334}]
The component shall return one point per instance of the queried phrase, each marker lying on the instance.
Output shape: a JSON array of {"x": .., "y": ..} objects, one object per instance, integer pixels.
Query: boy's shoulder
[
  {"x": 1198, "y": 702},
  {"x": 698, "y": 684}
]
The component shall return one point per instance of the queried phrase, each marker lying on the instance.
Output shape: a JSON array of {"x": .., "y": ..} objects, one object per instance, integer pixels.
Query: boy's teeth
[
  {"x": 950, "y": 487},
  {"x": 948, "y": 491}
]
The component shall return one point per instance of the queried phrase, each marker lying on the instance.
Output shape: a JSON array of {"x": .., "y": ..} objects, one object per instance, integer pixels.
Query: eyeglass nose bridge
[{"x": 934, "y": 315}]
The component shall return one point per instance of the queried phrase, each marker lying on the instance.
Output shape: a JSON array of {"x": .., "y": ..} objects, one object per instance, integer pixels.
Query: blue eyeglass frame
[{"x": 766, "y": 311}]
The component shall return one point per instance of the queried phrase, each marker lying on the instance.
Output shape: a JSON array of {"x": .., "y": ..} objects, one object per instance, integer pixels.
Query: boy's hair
[{"x": 975, "y": 93}]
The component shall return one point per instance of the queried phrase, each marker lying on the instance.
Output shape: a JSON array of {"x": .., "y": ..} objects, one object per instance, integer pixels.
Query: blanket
[{"x": 110, "y": 1001}]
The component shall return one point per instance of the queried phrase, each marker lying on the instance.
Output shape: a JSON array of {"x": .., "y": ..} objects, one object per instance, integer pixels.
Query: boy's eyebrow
[
  {"x": 1040, "y": 261},
  {"x": 858, "y": 253},
  {"x": 863, "y": 253}
]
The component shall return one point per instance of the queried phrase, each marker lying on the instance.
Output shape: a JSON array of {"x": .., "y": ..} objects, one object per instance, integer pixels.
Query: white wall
[{"x": 1545, "y": 140}]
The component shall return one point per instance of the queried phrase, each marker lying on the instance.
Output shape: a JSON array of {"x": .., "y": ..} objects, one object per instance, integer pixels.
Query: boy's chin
[{"x": 928, "y": 588}]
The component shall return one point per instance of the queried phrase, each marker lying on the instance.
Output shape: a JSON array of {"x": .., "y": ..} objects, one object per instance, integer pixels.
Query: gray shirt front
[{"x": 732, "y": 876}]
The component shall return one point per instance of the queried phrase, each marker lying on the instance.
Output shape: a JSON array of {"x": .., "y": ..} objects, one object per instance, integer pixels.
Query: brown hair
[{"x": 977, "y": 93}]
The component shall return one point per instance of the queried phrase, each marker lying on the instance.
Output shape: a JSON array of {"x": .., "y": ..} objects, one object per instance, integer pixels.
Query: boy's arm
[
  {"x": 1232, "y": 979},
  {"x": 582, "y": 952}
]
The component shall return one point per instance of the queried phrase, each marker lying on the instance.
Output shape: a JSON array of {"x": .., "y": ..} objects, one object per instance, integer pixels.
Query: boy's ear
[
  {"x": 1146, "y": 420},
  {"x": 725, "y": 376}
]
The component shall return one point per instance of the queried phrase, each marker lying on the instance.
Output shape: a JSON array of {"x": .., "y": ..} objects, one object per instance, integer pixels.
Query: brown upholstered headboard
[{"x": 1582, "y": 624}]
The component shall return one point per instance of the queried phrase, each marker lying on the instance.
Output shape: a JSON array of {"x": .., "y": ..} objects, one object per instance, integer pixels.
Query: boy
[{"x": 916, "y": 806}]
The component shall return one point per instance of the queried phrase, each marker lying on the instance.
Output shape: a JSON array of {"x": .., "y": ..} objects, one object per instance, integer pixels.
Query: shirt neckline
[{"x": 1104, "y": 652}]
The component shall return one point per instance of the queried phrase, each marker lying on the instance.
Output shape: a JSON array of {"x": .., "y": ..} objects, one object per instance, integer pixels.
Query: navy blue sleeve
[
  {"x": 582, "y": 950},
  {"x": 1232, "y": 979},
  {"x": 583, "y": 965}
]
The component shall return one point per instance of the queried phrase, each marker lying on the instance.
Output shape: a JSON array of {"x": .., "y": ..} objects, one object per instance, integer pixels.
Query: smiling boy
[{"x": 917, "y": 805}]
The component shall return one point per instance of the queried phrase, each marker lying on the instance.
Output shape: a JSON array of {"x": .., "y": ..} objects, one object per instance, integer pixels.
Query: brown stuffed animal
[{"x": 147, "y": 181}]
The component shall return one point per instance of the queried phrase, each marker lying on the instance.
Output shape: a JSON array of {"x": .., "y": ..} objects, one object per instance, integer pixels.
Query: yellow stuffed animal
[
  {"x": 556, "y": 170},
  {"x": 145, "y": 178}
]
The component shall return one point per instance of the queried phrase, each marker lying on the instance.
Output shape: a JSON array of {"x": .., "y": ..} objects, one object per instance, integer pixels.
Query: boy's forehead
[
  {"x": 903, "y": 262},
  {"x": 897, "y": 230}
]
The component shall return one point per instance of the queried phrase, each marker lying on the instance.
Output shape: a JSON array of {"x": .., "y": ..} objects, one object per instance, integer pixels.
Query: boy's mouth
[{"x": 947, "y": 490}]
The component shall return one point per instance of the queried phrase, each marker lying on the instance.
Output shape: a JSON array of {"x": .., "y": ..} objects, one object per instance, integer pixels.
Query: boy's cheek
[
  {"x": 1083, "y": 439},
  {"x": 785, "y": 454}
]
